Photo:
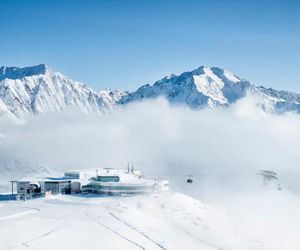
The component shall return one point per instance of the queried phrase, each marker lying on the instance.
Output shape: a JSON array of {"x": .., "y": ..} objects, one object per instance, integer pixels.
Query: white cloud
[{"x": 221, "y": 149}]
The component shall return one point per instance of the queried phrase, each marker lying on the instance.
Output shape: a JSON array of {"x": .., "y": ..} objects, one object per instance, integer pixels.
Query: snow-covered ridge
[
  {"x": 38, "y": 89},
  {"x": 213, "y": 87},
  {"x": 201, "y": 87}
]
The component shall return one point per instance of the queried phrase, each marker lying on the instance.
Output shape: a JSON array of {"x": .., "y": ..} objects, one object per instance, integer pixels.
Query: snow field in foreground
[{"x": 160, "y": 221}]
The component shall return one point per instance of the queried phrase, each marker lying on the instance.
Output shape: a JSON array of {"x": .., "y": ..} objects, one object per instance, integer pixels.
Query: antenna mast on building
[{"x": 128, "y": 168}]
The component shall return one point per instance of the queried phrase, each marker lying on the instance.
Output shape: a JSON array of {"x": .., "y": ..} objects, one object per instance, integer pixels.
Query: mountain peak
[
  {"x": 219, "y": 72},
  {"x": 199, "y": 70},
  {"x": 203, "y": 86},
  {"x": 19, "y": 73}
]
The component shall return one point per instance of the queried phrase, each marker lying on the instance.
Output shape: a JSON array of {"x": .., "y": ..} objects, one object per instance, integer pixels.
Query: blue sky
[{"x": 123, "y": 44}]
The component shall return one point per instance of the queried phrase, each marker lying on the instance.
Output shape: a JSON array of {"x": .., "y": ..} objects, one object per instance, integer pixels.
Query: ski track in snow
[
  {"x": 137, "y": 230},
  {"x": 68, "y": 203},
  {"x": 203, "y": 242},
  {"x": 111, "y": 229},
  {"x": 20, "y": 214},
  {"x": 27, "y": 243}
]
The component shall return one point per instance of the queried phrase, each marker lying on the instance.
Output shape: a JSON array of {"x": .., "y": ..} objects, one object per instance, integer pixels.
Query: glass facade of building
[
  {"x": 102, "y": 188},
  {"x": 108, "y": 178},
  {"x": 58, "y": 187}
]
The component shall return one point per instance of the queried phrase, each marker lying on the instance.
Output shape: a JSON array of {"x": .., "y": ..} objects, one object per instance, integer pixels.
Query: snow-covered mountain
[
  {"x": 213, "y": 87},
  {"x": 38, "y": 89}
]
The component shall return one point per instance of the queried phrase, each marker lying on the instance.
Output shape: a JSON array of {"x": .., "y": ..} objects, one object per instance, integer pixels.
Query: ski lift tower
[{"x": 12, "y": 187}]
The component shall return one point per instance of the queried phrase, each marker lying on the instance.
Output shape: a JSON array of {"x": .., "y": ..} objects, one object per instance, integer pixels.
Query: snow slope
[{"x": 159, "y": 221}]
